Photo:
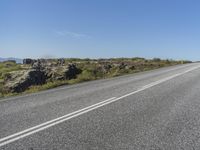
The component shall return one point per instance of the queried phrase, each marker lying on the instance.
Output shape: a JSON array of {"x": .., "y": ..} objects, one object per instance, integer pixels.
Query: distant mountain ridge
[{"x": 18, "y": 60}]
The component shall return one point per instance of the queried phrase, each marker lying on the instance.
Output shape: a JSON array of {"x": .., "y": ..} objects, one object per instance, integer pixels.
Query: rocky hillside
[{"x": 34, "y": 75}]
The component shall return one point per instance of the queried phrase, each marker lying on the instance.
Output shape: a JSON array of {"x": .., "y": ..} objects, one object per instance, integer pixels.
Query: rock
[
  {"x": 106, "y": 68},
  {"x": 71, "y": 72},
  {"x": 132, "y": 67},
  {"x": 61, "y": 61},
  {"x": 55, "y": 73},
  {"x": 28, "y": 61},
  {"x": 37, "y": 65},
  {"x": 19, "y": 81},
  {"x": 122, "y": 66},
  {"x": 62, "y": 72}
]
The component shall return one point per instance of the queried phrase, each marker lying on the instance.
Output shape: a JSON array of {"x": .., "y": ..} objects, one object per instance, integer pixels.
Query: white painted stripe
[
  {"x": 54, "y": 120},
  {"x": 48, "y": 124}
]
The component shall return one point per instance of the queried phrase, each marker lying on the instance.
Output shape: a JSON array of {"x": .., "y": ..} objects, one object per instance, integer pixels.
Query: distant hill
[{"x": 18, "y": 60}]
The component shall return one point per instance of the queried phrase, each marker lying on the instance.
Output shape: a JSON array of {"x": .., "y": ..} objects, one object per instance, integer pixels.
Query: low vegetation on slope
[{"x": 41, "y": 74}]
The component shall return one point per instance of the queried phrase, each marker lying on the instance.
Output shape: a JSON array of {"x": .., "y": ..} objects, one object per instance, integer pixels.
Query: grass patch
[
  {"x": 46, "y": 86},
  {"x": 6, "y": 67}
]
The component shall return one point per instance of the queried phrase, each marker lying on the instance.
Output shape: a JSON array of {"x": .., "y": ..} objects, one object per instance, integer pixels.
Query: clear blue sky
[{"x": 100, "y": 28}]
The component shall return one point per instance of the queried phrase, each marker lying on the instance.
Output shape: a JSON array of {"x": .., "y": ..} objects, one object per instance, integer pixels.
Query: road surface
[{"x": 157, "y": 109}]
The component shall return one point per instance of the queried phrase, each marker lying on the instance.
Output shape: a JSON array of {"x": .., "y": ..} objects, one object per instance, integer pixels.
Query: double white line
[{"x": 48, "y": 124}]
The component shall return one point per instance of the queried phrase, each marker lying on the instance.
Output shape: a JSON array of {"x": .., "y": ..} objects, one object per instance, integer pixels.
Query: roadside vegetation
[
  {"x": 38, "y": 75},
  {"x": 5, "y": 68}
]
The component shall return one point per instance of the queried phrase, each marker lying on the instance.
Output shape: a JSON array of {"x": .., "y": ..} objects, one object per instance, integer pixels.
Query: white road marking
[
  {"x": 48, "y": 124},
  {"x": 54, "y": 120}
]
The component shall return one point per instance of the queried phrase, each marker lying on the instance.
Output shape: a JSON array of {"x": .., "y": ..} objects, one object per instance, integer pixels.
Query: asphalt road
[{"x": 157, "y": 109}]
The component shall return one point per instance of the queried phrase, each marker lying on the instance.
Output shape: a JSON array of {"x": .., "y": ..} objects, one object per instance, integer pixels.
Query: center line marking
[{"x": 48, "y": 124}]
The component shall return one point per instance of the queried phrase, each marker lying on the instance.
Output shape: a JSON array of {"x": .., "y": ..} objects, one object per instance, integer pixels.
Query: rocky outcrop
[
  {"x": 62, "y": 72},
  {"x": 19, "y": 81}
]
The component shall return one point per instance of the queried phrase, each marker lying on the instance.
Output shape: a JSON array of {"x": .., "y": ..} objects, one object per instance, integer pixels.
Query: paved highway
[{"x": 157, "y": 109}]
